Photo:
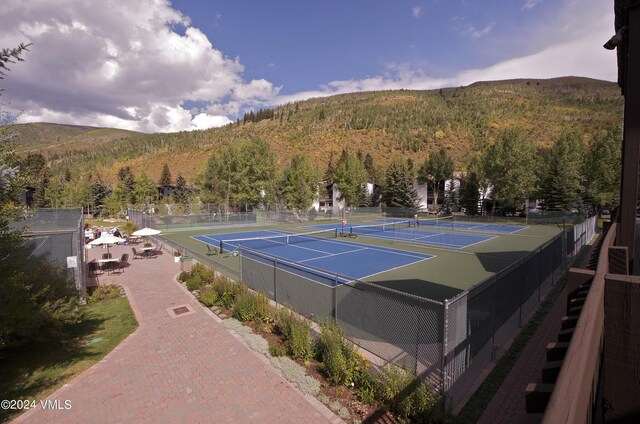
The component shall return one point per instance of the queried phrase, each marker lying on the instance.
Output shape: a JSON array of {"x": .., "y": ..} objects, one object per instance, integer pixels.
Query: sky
[{"x": 166, "y": 66}]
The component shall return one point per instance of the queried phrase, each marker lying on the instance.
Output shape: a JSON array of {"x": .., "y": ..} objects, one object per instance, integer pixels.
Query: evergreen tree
[
  {"x": 99, "y": 191},
  {"x": 343, "y": 156},
  {"x": 399, "y": 190},
  {"x": 165, "y": 176},
  {"x": 40, "y": 195},
  {"x": 364, "y": 200},
  {"x": 331, "y": 169},
  {"x": 562, "y": 181},
  {"x": 603, "y": 169},
  {"x": 181, "y": 193},
  {"x": 451, "y": 196},
  {"x": 470, "y": 193},
  {"x": 36, "y": 298},
  {"x": 376, "y": 196},
  {"x": 350, "y": 175},
  {"x": 54, "y": 195},
  {"x": 438, "y": 167},
  {"x": 370, "y": 168},
  {"x": 31, "y": 167},
  {"x": 299, "y": 183},
  {"x": 125, "y": 187}
]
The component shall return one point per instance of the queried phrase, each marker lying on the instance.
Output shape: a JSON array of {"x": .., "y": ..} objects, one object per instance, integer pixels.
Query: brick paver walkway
[
  {"x": 508, "y": 404},
  {"x": 186, "y": 368}
]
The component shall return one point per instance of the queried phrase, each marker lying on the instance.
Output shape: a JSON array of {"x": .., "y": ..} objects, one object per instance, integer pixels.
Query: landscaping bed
[{"x": 326, "y": 366}]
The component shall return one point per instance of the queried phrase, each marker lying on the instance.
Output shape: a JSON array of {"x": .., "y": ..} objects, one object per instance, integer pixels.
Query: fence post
[
  {"x": 445, "y": 337},
  {"x": 526, "y": 278},
  {"x": 493, "y": 317},
  {"x": 240, "y": 262},
  {"x": 275, "y": 280},
  {"x": 540, "y": 260},
  {"x": 415, "y": 363},
  {"x": 335, "y": 299}
]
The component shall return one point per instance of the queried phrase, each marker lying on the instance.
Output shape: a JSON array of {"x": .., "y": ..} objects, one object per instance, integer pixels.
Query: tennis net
[
  {"x": 444, "y": 222},
  {"x": 377, "y": 228},
  {"x": 259, "y": 243}
]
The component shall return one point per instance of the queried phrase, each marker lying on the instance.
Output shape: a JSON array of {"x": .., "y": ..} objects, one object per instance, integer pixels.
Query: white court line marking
[
  {"x": 333, "y": 254},
  {"x": 341, "y": 243}
]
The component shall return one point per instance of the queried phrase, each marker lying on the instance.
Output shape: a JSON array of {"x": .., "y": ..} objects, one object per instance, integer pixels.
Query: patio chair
[
  {"x": 94, "y": 269},
  {"x": 136, "y": 254},
  {"x": 106, "y": 256},
  {"x": 158, "y": 251},
  {"x": 124, "y": 260}
]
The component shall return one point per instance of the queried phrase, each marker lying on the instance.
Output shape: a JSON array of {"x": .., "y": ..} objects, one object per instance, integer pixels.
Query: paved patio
[{"x": 177, "y": 368}]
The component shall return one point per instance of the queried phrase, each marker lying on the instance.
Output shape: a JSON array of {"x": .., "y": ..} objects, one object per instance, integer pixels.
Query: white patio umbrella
[
  {"x": 146, "y": 231},
  {"x": 106, "y": 239}
]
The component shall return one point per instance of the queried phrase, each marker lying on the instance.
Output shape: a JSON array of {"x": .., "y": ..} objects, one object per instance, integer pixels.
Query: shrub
[
  {"x": 206, "y": 274},
  {"x": 367, "y": 389},
  {"x": 194, "y": 282},
  {"x": 407, "y": 397},
  {"x": 252, "y": 307},
  {"x": 277, "y": 350},
  {"x": 228, "y": 291},
  {"x": 208, "y": 296},
  {"x": 37, "y": 299},
  {"x": 183, "y": 277},
  {"x": 338, "y": 359},
  {"x": 297, "y": 335},
  {"x": 103, "y": 293}
]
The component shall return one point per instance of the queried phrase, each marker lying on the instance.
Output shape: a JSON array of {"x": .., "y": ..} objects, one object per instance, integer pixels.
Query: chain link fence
[
  {"x": 54, "y": 235},
  {"x": 447, "y": 343},
  {"x": 395, "y": 326}
]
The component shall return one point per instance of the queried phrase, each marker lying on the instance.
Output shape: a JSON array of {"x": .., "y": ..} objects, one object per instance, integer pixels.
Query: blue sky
[
  {"x": 305, "y": 44},
  {"x": 160, "y": 65}
]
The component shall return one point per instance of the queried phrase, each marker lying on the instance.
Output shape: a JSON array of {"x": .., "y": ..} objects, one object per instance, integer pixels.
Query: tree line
[{"x": 569, "y": 175}]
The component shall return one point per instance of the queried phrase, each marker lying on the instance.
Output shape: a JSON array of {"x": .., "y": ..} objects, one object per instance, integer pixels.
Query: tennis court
[
  {"x": 320, "y": 250},
  {"x": 450, "y": 224},
  {"x": 398, "y": 230}
]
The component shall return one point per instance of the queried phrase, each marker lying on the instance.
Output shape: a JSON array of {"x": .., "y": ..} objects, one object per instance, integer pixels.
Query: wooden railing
[{"x": 575, "y": 390}]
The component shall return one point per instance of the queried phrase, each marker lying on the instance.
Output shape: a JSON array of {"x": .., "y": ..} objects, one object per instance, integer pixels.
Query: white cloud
[
  {"x": 475, "y": 33},
  {"x": 120, "y": 64},
  {"x": 571, "y": 49},
  {"x": 416, "y": 12},
  {"x": 203, "y": 121},
  {"x": 484, "y": 31},
  {"x": 530, "y": 4},
  {"x": 581, "y": 56},
  {"x": 584, "y": 57}
]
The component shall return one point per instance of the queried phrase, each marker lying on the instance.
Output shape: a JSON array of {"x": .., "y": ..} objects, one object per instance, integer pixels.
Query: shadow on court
[
  {"x": 419, "y": 287},
  {"x": 495, "y": 262}
]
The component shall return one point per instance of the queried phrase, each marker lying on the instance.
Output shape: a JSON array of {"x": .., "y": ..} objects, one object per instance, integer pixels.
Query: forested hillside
[{"x": 388, "y": 124}]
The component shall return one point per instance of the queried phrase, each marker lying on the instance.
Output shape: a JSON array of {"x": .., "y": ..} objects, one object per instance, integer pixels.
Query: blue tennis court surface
[
  {"x": 322, "y": 251},
  {"x": 448, "y": 223},
  {"x": 400, "y": 231}
]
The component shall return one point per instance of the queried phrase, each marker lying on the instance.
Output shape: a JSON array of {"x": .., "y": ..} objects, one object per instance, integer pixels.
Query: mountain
[{"x": 387, "y": 124}]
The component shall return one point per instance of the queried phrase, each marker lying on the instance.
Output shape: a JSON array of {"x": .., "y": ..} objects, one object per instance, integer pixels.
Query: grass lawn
[{"x": 36, "y": 370}]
